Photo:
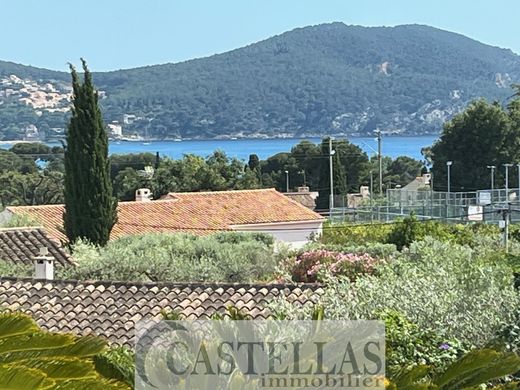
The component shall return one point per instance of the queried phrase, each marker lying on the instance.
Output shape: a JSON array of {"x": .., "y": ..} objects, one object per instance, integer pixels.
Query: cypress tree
[{"x": 90, "y": 209}]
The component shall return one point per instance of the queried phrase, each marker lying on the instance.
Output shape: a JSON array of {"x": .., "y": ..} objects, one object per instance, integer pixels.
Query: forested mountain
[{"x": 325, "y": 79}]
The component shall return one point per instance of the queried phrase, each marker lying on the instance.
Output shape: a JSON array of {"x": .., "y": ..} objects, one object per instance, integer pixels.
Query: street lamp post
[
  {"x": 518, "y": 166},
  {"x": 492, "y": 167},
  {"x": 507, "y": 166},
  {"x": 304, "y": 178},
  {"x": 380, "y": 159},
  {"x": 448, "y": 164},
  {"x": 287, "y": 181},
  {"x": 331, "y": 153}
]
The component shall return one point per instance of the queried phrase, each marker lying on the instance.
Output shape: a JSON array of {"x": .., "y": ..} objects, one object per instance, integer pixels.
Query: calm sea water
[{"x": 242, "y": 148}]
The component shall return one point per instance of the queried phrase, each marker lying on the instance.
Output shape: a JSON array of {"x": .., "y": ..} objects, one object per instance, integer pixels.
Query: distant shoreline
[{"x": 232, "y": 139}]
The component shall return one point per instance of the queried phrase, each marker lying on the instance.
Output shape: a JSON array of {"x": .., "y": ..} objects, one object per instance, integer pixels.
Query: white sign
[
  {"x": 484, "y": 198},
  {"x": 475, "y": 213}
]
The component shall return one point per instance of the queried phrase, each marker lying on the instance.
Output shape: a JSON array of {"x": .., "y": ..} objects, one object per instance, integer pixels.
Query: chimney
[
  {"x": 143, "y": 195},
  {"x": 303, "y": 189},
  {"x": 44, "y": 265},
  {"x": 364, "y": 191}
]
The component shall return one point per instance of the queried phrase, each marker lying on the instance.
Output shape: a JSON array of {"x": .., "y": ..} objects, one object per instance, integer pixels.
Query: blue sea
[{"x": 241, "y": 148}]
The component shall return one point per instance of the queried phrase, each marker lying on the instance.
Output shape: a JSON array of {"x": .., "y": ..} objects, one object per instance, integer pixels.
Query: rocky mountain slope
[{"x": 325, "y": 79}]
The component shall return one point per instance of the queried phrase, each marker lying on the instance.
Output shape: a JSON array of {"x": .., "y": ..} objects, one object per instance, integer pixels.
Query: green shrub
[
  {"x": 20, "y": 221},
  {"x": 408, "y": 345},
  {"x": 410, "y": 229},
  {"x": 445, "y": 288},
  {"x": 117, "y": 363},
  {"x": 8, "y": 268},
  {"x": 238, "y": 237},
  {"x": 175, "y": 258},
  {"x": 403, "y": 232},
  {"x": 349, "y": 234}
]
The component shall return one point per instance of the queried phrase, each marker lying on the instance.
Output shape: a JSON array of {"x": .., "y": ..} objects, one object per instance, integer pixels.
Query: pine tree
[{"x": 90, "y": 209}]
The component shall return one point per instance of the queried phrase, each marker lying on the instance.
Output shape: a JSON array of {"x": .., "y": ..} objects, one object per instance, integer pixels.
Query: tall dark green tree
[
  {"x": 254, "y": 162},
  {"x": 90, "y": 209},
  {"x": 484, "y": 134}
]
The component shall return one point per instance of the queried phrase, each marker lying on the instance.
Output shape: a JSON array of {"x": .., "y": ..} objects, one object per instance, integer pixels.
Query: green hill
[{"x": 323, "y": 79}]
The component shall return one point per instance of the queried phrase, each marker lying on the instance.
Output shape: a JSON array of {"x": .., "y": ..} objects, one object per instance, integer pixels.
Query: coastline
[{"x": 303, "y": 137}]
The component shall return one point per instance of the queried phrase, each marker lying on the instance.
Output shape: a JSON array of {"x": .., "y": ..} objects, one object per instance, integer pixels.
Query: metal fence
[{"x": 450, "y": 207}]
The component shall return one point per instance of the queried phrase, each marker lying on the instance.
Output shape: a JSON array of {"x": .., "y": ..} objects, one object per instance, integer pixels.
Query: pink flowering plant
[{"x": 308, "y": 266}]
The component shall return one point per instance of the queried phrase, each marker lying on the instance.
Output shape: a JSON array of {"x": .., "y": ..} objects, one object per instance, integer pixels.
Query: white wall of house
[{"x": 295, "y": 234}]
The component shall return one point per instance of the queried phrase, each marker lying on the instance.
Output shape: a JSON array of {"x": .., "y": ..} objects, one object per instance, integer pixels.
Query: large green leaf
[
  {"x": 408, "y": 378},
  {"x": 63, "y": 368},
  {"x": 23, "y": 378},
  {"x": 87, "y": 346},
  {"x": 83, "y": 347},
  {"x": 506, "y": 364},
  {"x": 32, "y": 345},
  {"x": 92, "y": 384},
  {"x": 33, "y": 359},
  {"x": 476, "y": 367},
  {"x": 13, "y": 324}
]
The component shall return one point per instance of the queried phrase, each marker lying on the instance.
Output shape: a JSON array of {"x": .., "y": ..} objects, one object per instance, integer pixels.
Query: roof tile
[
  {"x": 112, "y": 314},
  {"x": 195, "y": 212}
]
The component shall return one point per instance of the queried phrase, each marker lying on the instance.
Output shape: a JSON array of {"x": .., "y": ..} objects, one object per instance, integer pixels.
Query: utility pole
[
  {"x": 507, "y": 180},
  {"x": 286, "y": 181},
  {"x": 371, "y": 186},
  {"x": 505, "y": 217},
  {"x": 380, "y": 158},
  {"x": 331, "y": 153}
]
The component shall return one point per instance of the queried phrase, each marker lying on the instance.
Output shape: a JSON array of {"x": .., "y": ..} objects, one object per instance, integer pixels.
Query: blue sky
[{"x": 115, "y": 34}]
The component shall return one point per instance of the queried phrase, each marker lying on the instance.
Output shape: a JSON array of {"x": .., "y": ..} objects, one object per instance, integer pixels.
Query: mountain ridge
[{"x": 315, "y": 80}]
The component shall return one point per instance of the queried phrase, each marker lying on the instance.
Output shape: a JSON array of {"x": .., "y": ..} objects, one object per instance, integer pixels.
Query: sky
[{"x": 119, "y": 34}]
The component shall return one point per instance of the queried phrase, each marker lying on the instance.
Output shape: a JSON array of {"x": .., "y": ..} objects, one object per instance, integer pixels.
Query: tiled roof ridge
[
  {"x": 165, "y": 200},
  {"x": 39, "y": 206},
  {"x": 118, "y": 283},
  {"x": 22, "y": 228},
  {"x": 221, "y": 192}
]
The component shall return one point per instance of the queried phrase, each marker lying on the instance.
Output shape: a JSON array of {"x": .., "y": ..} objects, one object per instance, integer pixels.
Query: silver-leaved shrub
[{"x": 176, "y": 258}]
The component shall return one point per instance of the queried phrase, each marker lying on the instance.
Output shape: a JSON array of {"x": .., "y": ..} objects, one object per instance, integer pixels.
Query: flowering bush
[{"x": 309, "y": 265}]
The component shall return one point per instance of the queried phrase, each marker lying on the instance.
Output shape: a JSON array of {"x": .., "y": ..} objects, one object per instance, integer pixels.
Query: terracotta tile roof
[
  {"x": 111, "y": 309},
  {"x": 196, "y": 212},
  {"x": 21, "y": 245}
]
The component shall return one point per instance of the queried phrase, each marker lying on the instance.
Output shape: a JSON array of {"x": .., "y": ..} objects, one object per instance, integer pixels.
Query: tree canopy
[{"x": 485, "y": 134}]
